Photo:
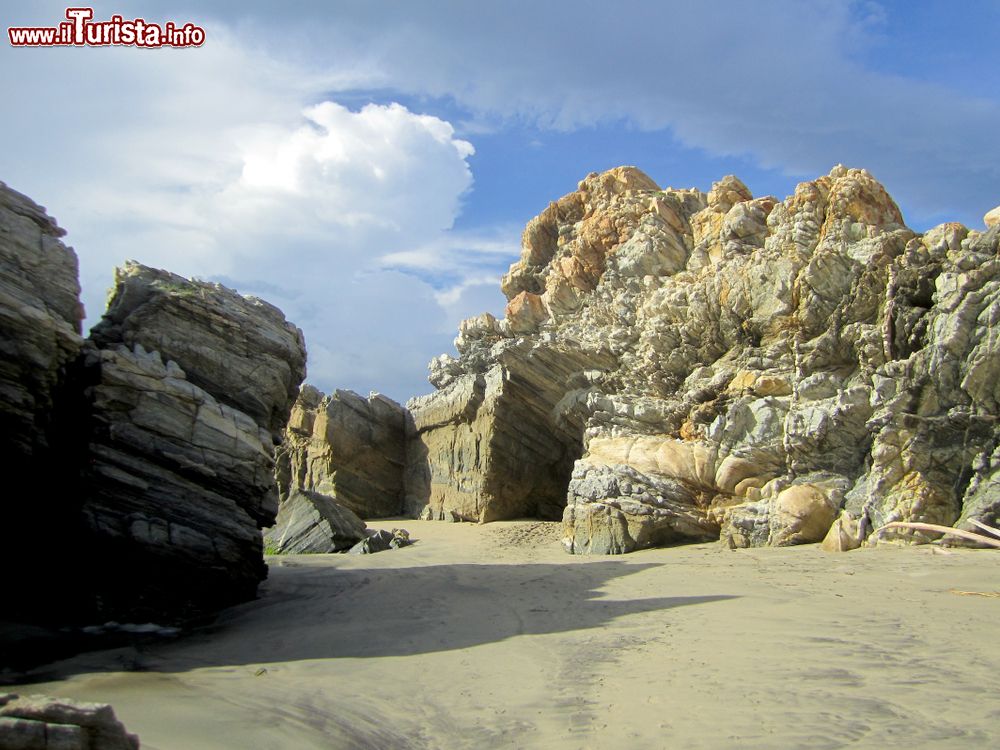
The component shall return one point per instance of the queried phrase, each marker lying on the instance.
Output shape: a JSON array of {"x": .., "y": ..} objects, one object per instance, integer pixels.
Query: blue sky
[{"x": 368, "y": 166}]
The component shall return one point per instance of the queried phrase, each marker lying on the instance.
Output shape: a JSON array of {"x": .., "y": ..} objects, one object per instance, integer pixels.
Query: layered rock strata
[
  {"x": 180, "y": 439},
  {"x": 309, "y": 523},
  {"x": 498, "y": 441},
  {"x": 724, "y": 365},
  {"x": 140, "y": 461},
  {"x": 40, "y": 319},
  {"x": 44, "y": 723},
  {"x": 240, "y": 349},
  {"x": 349, "y": 448}
]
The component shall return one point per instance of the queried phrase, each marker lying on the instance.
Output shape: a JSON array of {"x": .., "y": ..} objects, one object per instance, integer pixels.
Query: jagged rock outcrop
[
  {"x": 179, "y": 477},
  {"x": 140, "y": 460},
  {"x": 309, "y": 522},
  {"x": 346, "y": 447},
  {"x": 240, "y": 349},
  {"x": 499, "y": 441},
  {"x": 39, "y": 722},
  {"x": 40, "y": 318},
  {"x": 720, "y": 364}
]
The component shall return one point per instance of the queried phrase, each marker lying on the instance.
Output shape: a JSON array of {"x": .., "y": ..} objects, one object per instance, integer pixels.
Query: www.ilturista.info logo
[{"x": 80, "y": 30}]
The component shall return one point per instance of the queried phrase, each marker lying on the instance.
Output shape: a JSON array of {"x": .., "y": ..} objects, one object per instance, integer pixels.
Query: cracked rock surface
[
  {"x": 347, "y": 447},
  {"x": 186, "y": 386},
  {"x": 152, "y": 441},
  {"x": 39, "y": 722},
  {"x": 677, "y": 365}
]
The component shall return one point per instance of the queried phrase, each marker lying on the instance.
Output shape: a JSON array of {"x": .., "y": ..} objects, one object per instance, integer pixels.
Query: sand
[{"x": 493, "y": 637}]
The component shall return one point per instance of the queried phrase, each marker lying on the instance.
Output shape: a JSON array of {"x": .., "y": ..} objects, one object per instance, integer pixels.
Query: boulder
[
  {"x": 843, "y": 536},
  {"x": 615, "y": 508},
  {"x": 309, "y": 522},
  {"x": 380, "y": 541},
  {"x": 39, "y": 722},
  {"x": 992, "y": 217}
]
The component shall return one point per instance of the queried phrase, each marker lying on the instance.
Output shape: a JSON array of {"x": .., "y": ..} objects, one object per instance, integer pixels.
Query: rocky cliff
[
  {"x": 187, "y": 386},
  {"x": 495, "y": 442},
  {"x": 140, "y": 460},
  {"x": 677, "y": 365},
  {"x": 349, "y": 448},
  {"x": 239, "y": 348},
  {"x": 40, "y": 318}
]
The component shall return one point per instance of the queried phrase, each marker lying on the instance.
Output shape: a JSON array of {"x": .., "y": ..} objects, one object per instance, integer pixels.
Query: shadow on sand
[{"x": 316, "y": 611}]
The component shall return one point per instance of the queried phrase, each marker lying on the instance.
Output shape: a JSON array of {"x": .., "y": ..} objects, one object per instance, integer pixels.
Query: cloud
[
  {"x": 226, "y": 163},
  {"x": 794, "y": 86},
  {"x": 235, "y": 161},
  {"x": 361, "y": 170}
]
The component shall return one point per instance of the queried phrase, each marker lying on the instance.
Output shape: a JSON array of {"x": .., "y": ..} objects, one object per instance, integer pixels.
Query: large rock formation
[
  {"x": 240, "y": 349},
  {"x": 40, "y": 317},
  {"x": 141, "y": 461},
  {"x": 180, "y": 440},
  {"x": 720, "y": 364},
  {"x": 495, "y": 442},
  {"x": 346, "y": 447}
]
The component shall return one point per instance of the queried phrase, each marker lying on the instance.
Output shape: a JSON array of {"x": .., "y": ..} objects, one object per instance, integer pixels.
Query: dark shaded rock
[
  {"x": 179, "y": 476},
  {"x": 310, "y": 522},
  {"x": 381, "y": 540},
  {"x": 153, "y": 441},
  {"x": 40, "y": 316},
  {"x": 175, "y": 489}
]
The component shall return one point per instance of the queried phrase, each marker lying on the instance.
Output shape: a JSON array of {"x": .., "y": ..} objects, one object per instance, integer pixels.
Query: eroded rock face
[
  {"x": 347, "y": 447},
  {"x": 499, "y": 443},
  {"x": 178, "y": 479},
  {"x": 176, "y": 487},
  {"x": 240, "y": 349},
  {"x": 40, "y": 316},
  {"x": 156, "y": 489},
  {"x": 39, "y": 722},
  {"x": 730, "y": 366},
  {"x": 141, "y": 461}
]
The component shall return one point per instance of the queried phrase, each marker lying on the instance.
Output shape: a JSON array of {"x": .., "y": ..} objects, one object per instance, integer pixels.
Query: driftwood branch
[
  {"x": 984, "y": 527},
  {"x": 970, "y": 535}
]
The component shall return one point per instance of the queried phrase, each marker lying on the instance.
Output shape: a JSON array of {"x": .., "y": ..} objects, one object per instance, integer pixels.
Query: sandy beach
[{"x": 492, "y": 637}]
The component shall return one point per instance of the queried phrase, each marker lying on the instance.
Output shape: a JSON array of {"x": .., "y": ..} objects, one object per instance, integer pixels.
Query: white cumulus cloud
[{"x": 227, "y": 163}]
